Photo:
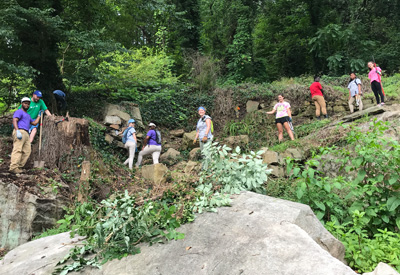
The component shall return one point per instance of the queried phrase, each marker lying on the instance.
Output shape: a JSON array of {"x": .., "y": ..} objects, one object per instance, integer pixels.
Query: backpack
[
  {"x": 212, "y": 124},
  {"x": 158, "y": 136},
  {"x": 125, "y": 135}
]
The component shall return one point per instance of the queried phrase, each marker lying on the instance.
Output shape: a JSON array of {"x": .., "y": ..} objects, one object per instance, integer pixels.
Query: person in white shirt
[{"x": 355, "y": 92}]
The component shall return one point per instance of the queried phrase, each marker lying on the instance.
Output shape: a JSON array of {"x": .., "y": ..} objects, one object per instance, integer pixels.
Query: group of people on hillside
[
  {"x": 25, "y": 125},
  {"x": 152, "y": 142},
  {"x": 26, "y": 119},
  {"x": 284, "y": 115}
]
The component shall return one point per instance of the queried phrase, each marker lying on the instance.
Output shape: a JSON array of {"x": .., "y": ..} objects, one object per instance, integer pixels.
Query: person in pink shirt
[
  {"x": 283, "y": 116},
  {"x": 375, "y": 77}
]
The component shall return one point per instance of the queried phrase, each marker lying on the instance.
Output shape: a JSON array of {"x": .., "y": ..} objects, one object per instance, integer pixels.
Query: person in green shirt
[{"x": 37, "y": 105}]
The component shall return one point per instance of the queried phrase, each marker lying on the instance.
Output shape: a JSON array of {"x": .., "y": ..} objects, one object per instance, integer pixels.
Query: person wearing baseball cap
[
  {"x": 151, "y": 145},
  {"x": 130, "y": 142},
  {"x": 37, "y": 105},
  {"x": 21, "y": 144}
]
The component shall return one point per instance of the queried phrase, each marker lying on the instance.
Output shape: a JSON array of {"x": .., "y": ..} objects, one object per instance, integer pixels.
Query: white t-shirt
[
  {"x": 282, "y": 109},
  {"x": 353, "y": 86}
]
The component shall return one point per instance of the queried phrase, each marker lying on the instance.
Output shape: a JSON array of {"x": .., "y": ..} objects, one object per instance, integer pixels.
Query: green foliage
[
  {"x": 363, "y": 252},
  {"x": 361, "y": 203},
  {"x": 114, "y": 227},
  {"x": 280, "y": 38},
  {"x": 205, "y": 71},
  {"x": 308, "y": 128},
  {"x": 141, "y": 67},
  {"x": 226, "y": 173}
]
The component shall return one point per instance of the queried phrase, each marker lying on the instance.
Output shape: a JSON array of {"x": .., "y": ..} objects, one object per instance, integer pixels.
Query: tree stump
[{"x": 66, "y": 138}]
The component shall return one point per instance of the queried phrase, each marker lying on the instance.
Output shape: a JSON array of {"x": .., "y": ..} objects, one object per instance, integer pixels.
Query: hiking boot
[
  {"x": 16, "y": 171},
  {"x": 318, "y": 117},
  {"x": 326, "y": 116}
]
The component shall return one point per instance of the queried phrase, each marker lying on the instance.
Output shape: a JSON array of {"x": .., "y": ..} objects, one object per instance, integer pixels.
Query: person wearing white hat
[
  {"x": 151, "y": 145},
  {"x": 37, "y": 105},
  {"x": 21, "y": 145}
]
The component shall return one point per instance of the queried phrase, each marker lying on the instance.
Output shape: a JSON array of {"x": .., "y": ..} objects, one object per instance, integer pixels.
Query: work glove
[
  {"x": 40, "y": 112},
  {"x": 204, "y": 139},
  {"x": 194, "y": 141},
  {"x": 19, "y": 135}
]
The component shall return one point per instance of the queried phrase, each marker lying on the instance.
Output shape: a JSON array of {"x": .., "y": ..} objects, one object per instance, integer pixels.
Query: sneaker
[
  {"x": 326, "y": 116},
  {"x": 382, "y": 103},
  {"x": 318, "y": 117}
]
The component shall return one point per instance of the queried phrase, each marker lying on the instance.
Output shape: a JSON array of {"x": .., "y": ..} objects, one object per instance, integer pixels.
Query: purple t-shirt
[
  {"x": 24, "y": 119},
  {"x": 153, "y": 137}
]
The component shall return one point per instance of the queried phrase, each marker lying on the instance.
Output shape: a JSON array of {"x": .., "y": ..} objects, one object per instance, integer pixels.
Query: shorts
[
  {"x": 33, "y": 126},
  {"x": 282, "y": 120}
]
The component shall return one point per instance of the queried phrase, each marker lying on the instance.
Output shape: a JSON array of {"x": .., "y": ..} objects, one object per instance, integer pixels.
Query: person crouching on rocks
[
  {"x": 203, "y": 129},
  {"x": 151, "y": 145},
  {"x": 283, "y": 116},
  {"x": 21, "y": 144},
  {"x": 131, "y": 142}
]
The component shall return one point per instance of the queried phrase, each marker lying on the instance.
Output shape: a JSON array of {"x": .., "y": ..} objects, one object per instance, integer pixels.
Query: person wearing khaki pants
[
  {"x": 318, "y": 98},
  {"x": 21, "y": 144},
  {"x": 355, "y": 93}
]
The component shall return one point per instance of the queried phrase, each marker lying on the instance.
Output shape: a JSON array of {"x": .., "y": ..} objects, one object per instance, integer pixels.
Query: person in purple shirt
[
  {"x": 21, "y": 145},
  {"x": 150, "y": 146}
]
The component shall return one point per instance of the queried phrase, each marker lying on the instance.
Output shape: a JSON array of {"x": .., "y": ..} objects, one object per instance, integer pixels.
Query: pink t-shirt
[
  {"x": 373, "y": 75},
  {"x": 282, "y": 109}
]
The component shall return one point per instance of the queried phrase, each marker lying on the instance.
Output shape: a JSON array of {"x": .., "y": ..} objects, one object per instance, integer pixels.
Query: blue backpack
[{"x": 125, "y": 135}]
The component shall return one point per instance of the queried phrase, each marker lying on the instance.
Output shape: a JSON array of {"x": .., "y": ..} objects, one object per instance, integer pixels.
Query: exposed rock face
[
  {"x": 38, "y": 257},
  {"x": 187, "y": 141},
  {"x": 23, "y": 214},
  {"x": 256, "y": 235},
  {"x": 235, "y": 141},
  {"x": 277, "y": 171},
  {"x": 134, "y": 111},
  {"x": 194, "y": 154},
  {"x": 177, "y": 133},
  {"x": 170, "y": 154},
  {"x": 156, "y": 172},
  {"x": 252, "y": 106},
  {"x": 294, "y": 153},
  {"x": 192, "y": 166},
  {"x": 271, "y": 157},
  {"x": 115, "y": 120}
]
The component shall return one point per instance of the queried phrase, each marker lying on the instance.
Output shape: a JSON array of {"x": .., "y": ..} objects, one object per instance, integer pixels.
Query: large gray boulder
[
  {"x": 23, "y": 214},
  {"x": 256, "y": 235},
  {"x": 38, "y": 257}
]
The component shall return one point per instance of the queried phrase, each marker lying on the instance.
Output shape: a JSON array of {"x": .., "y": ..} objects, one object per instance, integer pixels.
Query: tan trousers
[
  {"x": 351, "y": 106},
  {"x": 320, "y": 105},
  {"x": 21, "y": 150},
  {"x": 154, "y": 150}
]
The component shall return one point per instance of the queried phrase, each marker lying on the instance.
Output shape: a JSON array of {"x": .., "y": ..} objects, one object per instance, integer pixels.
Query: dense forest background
[{"x": 129, "y": 46}]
